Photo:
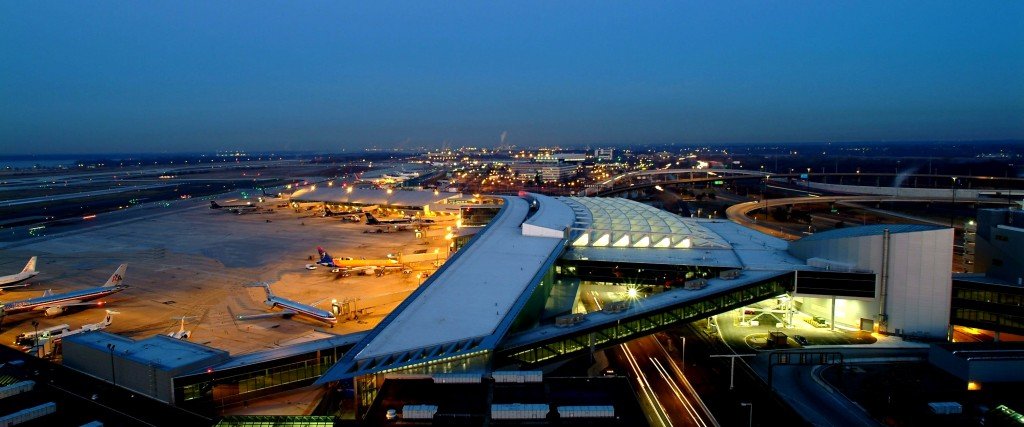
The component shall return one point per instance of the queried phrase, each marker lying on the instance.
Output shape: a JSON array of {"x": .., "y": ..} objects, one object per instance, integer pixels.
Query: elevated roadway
[
  {"x": 739, "y": 212},
  {"x": 642, "y": 180}
]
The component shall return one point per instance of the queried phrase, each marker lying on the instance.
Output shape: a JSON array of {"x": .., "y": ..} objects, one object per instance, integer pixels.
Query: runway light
[
  {"x": 973, "y": 385},
  {"x": 631, "y": 293},
  {"x": 348, "y": 189}
]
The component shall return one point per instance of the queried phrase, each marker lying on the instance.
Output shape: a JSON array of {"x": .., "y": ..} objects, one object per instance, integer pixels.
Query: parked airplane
[
  {"x": 349, "y": 217},
  {"x": 181, "y": 334},
  {"x": 15, "y": 280},
  {"x": 49, "y": 338},
  {"x": 52, "y": 304},
  {"x": 290, "y": 308},
  {"x": 237, "y": 209},
  {"x": 349, "y": 266},
  {"x": 107, "y": 320},
  {"x": 371, "y": 220}
]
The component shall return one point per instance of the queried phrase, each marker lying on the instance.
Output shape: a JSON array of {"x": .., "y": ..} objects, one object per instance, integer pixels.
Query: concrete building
[
  {"x": 604, "y": 154},
  {"x": 409, "y": 201},
  {"x": 910, "y": 290},
  {"x": 548, "y": 157},
  {"x": 999, "y": 244},
  {"x": 555, "y": 173},
  {"x": 992, "y": 299},
  {"x": 146, "y": 366}
]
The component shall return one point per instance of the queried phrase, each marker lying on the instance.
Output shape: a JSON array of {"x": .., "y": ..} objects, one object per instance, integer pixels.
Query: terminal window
[{"x": 842, "y": 284}]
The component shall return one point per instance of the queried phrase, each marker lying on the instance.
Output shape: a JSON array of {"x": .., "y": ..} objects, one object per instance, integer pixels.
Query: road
[
  {"x": 739, "y": 212},
  {"x": 83, "y": 194},
  {"x": 667, "y": 397},
  {"x": 665, "y": 393}
]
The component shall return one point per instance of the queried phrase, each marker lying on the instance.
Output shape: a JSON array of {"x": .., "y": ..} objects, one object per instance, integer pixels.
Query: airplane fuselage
[
  {"x": 57, "y": 300},
  {"x": 303, "y": 309},
  {"x": 15, "y": 279}
]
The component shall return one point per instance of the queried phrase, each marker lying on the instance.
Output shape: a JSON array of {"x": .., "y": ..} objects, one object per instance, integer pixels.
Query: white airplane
[
  {"x": 15, "y": 280},
  {"x": 52, "y": 304},
  {"x": 107, "y": 320},
  {"x": 290, "y": 308},
  {"x": 248, "y": 207},
  {"x": 181, "y": 334}
]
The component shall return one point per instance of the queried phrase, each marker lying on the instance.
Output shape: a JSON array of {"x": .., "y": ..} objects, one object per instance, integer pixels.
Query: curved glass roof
[{"x": 620, "y": 223}]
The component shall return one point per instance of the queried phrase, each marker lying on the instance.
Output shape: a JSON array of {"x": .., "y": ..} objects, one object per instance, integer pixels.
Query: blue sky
[{"x": 85, "y": 77}]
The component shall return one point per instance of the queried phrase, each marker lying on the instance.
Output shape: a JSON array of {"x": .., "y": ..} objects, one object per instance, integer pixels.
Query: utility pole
[{"x": 732, "y": 366}]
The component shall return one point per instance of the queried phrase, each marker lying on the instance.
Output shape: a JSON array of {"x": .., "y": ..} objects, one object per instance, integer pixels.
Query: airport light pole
[
  {"x": 750, "y": 417},
  {"x": 35, "y": 336},
  {"x": 113, "y": 379}
]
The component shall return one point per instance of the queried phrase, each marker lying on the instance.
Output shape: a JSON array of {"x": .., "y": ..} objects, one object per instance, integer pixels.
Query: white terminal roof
[
  {"x": 621, "y": 230},
  {"x": 475, "y": 295},
  {"x": 471, "y": 296},
  {"x": 622, "y": 223},
  {"x": 369, "y": 196}
]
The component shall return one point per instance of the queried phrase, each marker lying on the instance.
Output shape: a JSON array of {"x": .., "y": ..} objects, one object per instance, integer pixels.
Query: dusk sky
[{"x": 88, "y": 77}]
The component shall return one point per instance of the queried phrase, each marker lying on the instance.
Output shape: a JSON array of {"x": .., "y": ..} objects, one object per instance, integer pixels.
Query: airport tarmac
[{"x": 194, "y": 262}]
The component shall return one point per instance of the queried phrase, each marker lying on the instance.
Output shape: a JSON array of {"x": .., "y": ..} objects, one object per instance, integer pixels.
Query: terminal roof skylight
[{"x": 621, "y": 223}]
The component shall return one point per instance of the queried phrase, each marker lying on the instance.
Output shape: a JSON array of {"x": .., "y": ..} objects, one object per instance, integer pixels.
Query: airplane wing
[
  {"x": 20, "y": 285},
  {"x": 265, "y": 315}
]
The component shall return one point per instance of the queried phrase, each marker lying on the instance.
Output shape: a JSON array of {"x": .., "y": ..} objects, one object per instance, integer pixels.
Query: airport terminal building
[
  {"x": 515, "y": 297},
  {"x": 362, "y": 199},
  {"x": 518, "y": 295}
]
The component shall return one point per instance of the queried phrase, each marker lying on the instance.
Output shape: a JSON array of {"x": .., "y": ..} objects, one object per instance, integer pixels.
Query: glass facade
[
  {"x": 644, "y": 324},
  {"x": 643, "y": 274},
  {"x": 276, "y": 421},
  {"x": 478, "y": 216},
  {"x": 206, "y": 392},
  {"x": 368, "y": 385},
  {"x": 988, "y": 306}
]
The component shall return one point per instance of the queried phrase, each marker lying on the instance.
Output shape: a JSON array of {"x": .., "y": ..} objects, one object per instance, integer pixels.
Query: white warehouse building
[{"x": 912, "y": 281}]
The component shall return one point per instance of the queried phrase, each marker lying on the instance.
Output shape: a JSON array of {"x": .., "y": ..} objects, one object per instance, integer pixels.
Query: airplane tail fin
[
  {"x": 116, "y": 278},
  {"x": 109, "y": 318},
  {"x": 325, "y": 258},
  {"x": 31, "y": 266},
  {"x": 214, "y": 205},
  {"x": 48, "y": 292},
  {"x": 371, "y": 220}
]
